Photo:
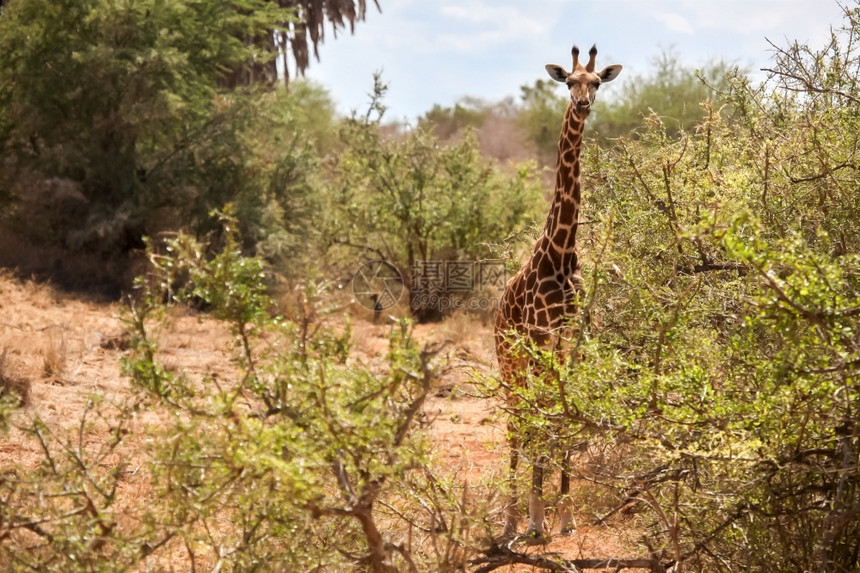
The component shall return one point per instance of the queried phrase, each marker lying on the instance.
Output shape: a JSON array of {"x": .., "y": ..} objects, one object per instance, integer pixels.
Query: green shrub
[
  {"x": 718, "y": 356},
  {"x": 299, "y": 457},
  {"x": 124, "y": 130},
  {"x": 412, "y": 199}
]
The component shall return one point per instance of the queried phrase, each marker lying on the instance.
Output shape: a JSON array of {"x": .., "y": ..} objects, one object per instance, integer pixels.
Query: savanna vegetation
[{"x": 711, "y": 396}]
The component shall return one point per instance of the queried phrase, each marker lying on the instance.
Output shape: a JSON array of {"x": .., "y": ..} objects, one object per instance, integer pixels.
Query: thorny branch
[{"x": 358, "y": 503}]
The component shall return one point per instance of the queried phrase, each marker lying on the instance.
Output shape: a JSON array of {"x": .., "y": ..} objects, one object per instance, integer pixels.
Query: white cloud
[
  {"x": 466, "y": 14},
  {"x": 675, "y": 22},
  {"x": 482, "y": 12},
  {"x": 752, "y": 18},
  {"x": 435, "y": 51},
  {"x": 479, "y": 25}
]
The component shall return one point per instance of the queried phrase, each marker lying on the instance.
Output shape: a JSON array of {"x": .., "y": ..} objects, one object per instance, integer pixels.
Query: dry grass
[
  {"x": 458, "y": 327},
  {"x": 54, "y": 340},
  {"x": 55, "y": 353},
  {"x": 11, "y": 382}
]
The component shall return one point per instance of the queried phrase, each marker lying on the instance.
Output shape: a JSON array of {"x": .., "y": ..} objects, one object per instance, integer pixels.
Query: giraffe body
[{"x": 541, "y": 298}]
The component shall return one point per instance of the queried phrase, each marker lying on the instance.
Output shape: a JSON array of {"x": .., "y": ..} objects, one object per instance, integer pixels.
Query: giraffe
[{"x": 541, "y": 298}]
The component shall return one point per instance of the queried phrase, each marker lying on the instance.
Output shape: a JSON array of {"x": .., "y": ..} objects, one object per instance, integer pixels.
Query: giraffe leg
[
  {"x": 565, "y": 514},
  {"x": 511, "y": 513},
  {"x": 536, "y": 503}
]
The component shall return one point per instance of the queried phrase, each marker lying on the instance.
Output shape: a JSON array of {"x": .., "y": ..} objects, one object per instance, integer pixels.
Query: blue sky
[{"x": 437, "y": 51}]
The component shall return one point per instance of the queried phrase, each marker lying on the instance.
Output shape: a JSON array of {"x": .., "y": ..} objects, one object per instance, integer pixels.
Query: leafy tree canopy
[
  {"x": 670, "y": 89},
  {"x": 112, "y": 122}
]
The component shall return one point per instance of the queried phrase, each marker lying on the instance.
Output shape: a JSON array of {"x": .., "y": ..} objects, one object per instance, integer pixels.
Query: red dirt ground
[{"x": 70, "y": 348}]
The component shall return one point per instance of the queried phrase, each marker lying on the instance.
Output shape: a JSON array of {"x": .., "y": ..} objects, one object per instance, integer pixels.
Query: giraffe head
[{"x": 583, "y": 81}]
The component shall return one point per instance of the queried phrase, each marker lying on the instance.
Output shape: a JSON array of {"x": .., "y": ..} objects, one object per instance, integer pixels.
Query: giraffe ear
[
  {"x": 557, "y": 73},
  {"x": 609, "y": 73}
]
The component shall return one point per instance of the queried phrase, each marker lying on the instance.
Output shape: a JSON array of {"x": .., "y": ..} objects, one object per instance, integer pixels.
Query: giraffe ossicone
[{"x": 541, "y": 298}]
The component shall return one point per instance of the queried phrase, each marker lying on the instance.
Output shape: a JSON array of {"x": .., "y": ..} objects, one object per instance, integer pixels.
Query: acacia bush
[
  {"x": 670, "y": 89},
  {"x": 303, "y": 458},
  {"x": 412, "y": 199},
  {"x": 717, "y": 355}
]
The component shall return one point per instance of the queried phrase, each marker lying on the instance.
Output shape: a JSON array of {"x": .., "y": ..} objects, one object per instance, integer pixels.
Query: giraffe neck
[{"x": 561, "y": 222}]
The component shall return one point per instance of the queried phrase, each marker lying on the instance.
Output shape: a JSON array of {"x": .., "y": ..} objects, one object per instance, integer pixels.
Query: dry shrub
[
  {"x": 55, "y": 354},
  {"x": 11, "y": 382},
  {"x": 459, "y": 327},
  {"x": 597, "y": 464},
  {"x": 502, "y": 139}
]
